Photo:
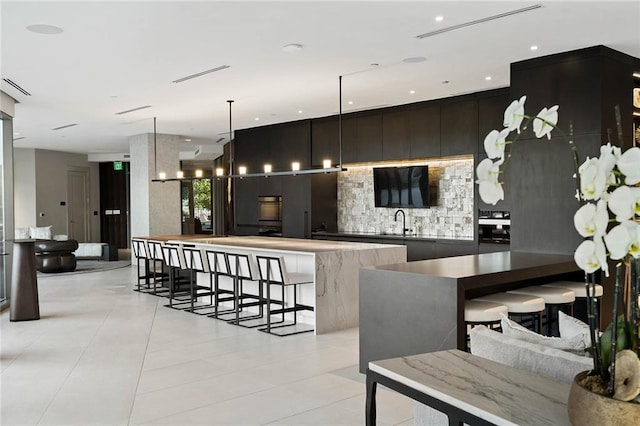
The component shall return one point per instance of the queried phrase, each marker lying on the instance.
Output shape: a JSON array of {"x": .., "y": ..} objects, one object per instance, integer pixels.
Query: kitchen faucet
[{"x": 395, "y": 219}]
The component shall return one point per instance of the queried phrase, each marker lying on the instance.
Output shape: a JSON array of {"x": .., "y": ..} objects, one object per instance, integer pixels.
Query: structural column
[{"x": 155, "y": 206}]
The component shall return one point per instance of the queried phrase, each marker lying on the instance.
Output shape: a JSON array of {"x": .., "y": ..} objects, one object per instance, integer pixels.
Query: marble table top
[
  {"x": 497, "y": 393},
  {"x": 289, "y": 244}
]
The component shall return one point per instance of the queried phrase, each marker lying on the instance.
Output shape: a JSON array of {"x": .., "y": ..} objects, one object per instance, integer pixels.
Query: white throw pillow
[
  {"x": 570, "y": 327},
  {"x": 548, "y": 362},
  {"x": 21, "y": 234},
  {"x": 573, "y": 344},
  {"x": 40, "y": 232}
]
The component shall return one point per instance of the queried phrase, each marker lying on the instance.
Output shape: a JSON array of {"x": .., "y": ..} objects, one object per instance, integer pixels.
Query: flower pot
[{"x": 589, "y": 408}]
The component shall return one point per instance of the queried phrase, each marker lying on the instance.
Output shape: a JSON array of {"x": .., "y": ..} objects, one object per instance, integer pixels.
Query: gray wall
[{"x": 49, "y": 188}]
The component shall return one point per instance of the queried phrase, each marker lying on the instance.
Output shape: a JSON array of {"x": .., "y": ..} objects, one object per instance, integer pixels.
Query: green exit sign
[{"x": 117, "y": 165}]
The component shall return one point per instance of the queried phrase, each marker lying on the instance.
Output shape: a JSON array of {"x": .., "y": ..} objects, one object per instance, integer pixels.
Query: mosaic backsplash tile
[{"x": 450, "y": 214}]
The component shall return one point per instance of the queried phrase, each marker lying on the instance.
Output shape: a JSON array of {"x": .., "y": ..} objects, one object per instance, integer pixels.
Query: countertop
[
  {"x": 478, "y": 265},
  {"x": 390, "y": 236},
  {"x": 288, "y": 244}
]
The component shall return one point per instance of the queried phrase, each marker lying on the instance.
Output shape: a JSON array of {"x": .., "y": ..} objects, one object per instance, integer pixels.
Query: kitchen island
[
  {"x": 334, "y": 264},
  {"x": 418, "y": 307}
]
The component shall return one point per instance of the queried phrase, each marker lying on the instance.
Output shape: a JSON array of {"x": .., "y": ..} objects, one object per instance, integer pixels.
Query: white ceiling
[{"x": 115, "y": 56}]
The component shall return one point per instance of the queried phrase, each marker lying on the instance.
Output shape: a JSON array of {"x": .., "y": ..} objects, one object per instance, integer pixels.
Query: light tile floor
[{"x": 104, "y": 354}]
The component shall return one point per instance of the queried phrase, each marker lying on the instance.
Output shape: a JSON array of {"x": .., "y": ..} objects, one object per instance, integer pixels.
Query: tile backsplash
[{"x": 450, "y": 214}]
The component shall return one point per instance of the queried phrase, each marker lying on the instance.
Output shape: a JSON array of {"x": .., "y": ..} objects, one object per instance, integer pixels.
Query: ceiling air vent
[
  {"x": 65, "y": 126},
  {"x": 133, "y": 109},
  {"x": 126, "y": 155},
  {"x": 189, "y": 77},
  {"x": 16, "y": 86},
  {"x": 17, "y": 139},
  {"x": 479, "y": 21},
  {"x": 220, "y": 140}
]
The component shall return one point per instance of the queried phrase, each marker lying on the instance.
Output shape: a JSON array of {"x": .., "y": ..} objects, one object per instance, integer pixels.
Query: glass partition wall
[{"x": 6, "y": 206}]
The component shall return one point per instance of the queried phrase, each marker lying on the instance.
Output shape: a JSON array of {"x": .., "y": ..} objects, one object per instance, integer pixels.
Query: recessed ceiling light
[
  {"x": 187, "y": 140},
  {"x": 534, "y": 47},
  {"x": 488, "y": 78},
  {"x": 414, "y": 59},
  {"x": 44, "y": 29},
  {"x": 114, "y": 96},
  {"x": 293, "y": 47},
  {"x": 412, "y": 91},
  {"x": 257, "y": 118},
  {"x": 439, "y": 18},
  {"x": 16, "y": 133},
  {"x": 350, "y": 102},
  {"x": 299, "y": 111}
]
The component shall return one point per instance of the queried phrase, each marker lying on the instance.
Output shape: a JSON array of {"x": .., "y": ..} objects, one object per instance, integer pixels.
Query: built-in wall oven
[
  {"x": 270, "y": 215},
  {"x": 494, "y": 227}
]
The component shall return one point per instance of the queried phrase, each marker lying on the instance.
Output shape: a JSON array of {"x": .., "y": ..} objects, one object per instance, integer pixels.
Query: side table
[{"x": 24, "y": 284}]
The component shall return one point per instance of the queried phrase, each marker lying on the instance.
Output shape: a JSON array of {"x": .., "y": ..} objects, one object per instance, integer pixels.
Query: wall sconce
[
  {"x": 180, "y": 174},
  {"x": 267, "y": 168},
  {"x": 198, "y": 173},
  {"x": 295, "y": 166},
  {"x": 219, "y": 171},
  {"x": 162, "y": 175},
  {"x": 242, "y": 170},
  {"x": 326, "y": 164}
]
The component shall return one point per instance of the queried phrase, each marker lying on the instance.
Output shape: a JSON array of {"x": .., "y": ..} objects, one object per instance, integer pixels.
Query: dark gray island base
[{"x": 418, "y": 307}]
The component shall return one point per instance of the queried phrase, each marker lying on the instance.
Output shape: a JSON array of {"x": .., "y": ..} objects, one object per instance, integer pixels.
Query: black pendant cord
[{"x": 340, "y": 121}]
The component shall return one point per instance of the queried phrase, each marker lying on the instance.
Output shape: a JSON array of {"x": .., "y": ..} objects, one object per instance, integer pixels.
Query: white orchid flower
[
  {"x": 625, "y": 202},
  {"x": 591, "y": 256},
  {"x": 609, "y": 156},
  {"x": 593, "y": 180},
  {"x": 545, "y": 121},
  {"x": 514, "y": 114},
  {"x": 495, "y": 142},
  {"x": 591, "y": 220},
  {"x": 629, "y": 165},
  {"x": 624, "y": 239},
  {"x": 489, "y": 188}
]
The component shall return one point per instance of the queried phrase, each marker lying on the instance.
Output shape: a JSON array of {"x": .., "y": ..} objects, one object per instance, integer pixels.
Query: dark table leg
[{"x": 371, "y": 400}]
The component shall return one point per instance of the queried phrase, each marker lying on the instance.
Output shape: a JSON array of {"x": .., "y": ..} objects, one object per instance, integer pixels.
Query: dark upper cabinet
[
  {"x": 290, "y": 142},
  {"x": 324, "y": 140},
  {"x": 369, "y": 139},
  {"x": 349, "y": 139},
  {"x": 459, "y": 127},
  {"x": 424, "y": 130},
  {"x": 395, "y": 134},
  {"x": 491, "y": 114},
  {"x": 252, "y": 148}
]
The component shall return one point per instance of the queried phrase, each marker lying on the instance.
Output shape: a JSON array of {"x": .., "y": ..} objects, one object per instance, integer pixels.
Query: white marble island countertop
[{"x": 287, "y": 244}]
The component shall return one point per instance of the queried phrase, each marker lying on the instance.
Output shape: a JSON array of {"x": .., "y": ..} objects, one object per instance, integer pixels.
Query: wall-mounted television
[{"x": 401, "y": 186}]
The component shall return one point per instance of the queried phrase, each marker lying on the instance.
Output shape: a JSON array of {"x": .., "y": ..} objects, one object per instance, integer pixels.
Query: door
[{"x": 78, "y": 205}]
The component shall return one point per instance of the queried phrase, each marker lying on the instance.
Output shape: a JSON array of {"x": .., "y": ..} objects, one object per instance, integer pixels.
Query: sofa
[
  {"x": 537, "y": 358},
  {"x": 55, "y": 256}
]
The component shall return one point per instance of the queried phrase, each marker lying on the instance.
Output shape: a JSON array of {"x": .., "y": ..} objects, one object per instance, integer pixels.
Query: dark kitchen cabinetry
[
  {"x": 246, "y": 205},
  {"x": 252, "y": 147},
  {"x": 459, "y": 126},
  {"x": 423, "y": 122},
  {"x": 309, "y": 203},
  {"x": 290, "y": 142},
  {"x": 491, "y": 113},
  {"x": 362, "y": 137},
  {"x": 325, "y": 138},
  {"x": 395, "y": 134}
]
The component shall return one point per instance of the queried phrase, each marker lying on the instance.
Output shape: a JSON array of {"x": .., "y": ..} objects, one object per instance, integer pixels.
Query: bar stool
[
  {"x": 194, "y": 262},
  {"x": 171, "y": 256},
  {"x": 580, "y": 305},
  {"x": 273, "y": 272},
  {"x": 480, "y": 312},
  {"x": 140, "y": 254},
  {"x": 520, "y": 305},
  {"x": 242, "y": 268},
  {"x": 554, "y": 298},
  {"x": 218, "y": 265},
  {"x": 155, "y": 257}
]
